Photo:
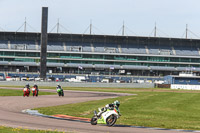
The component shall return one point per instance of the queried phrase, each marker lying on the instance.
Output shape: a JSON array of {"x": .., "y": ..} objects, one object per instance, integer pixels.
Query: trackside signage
[{"x": 186, "y": 87}]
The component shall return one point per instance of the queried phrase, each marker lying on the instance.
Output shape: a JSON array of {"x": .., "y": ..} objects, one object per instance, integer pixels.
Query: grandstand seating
[
  {"x": 163, "y": 68},
  {"x": 74, "y": 47},
  {"x": 100, "y": 54},
  {"x": 153, "y": 49},
  {"x": 55, "y": 46},
  {"x": 104, "y": 48},
  {"x": 133, "y": 49},
  {"x": 105, "y": 66},
  {"x": 4, "y": 62},
  {"x": 185, "y": 68},
  {"x": 3, "y": 45},
  {"x": 165, "y": 50},
  {"x": 98, "y": 47},
  {"x": 185, "y": 50},
  {"x": 160, "y": 50},
  {"x": 23, "y": 63},
  {"x": 86, "y": 47},
  {"x": 79, "y": 65},
  {"x": 127, "y": 48},
  {"x": 135, "y": 67},
  {"x": 55, "y": 64},
  {"x": 31, "y": 47},
  {"x": 23, "y": 45}
]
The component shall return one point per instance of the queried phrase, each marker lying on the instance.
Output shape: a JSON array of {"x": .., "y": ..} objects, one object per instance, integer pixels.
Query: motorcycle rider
[
  {"x": 28, "y": 87},
  {"x": 58, "y": 87},
  {"x": 36, "y": 87},
  {"x": 111, "y": 106}
]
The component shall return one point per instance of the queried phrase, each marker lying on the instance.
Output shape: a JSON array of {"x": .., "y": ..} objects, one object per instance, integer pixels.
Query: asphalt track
[{"x": 11, "y": 114}]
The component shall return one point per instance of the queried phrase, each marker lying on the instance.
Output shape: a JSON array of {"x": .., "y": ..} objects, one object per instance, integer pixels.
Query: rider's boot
[{"x": 99, "y": 113}]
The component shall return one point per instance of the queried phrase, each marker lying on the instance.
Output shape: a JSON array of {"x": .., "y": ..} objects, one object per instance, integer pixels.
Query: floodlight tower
[{"x": 44, "y": 39}]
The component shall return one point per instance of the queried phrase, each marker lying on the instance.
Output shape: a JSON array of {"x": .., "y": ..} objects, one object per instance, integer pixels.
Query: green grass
[
  {"x": 11, "y": 92},
  {"x": 4, "y": 129},
  {"x": 164, "y": 108}
]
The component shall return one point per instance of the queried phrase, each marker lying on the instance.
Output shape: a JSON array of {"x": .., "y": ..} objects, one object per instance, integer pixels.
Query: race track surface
[{"x": 11, "y": 113}]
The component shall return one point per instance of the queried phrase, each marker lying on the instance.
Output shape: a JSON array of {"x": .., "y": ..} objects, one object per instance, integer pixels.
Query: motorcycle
[
  {"x": 34, "y": 91},
  {"x": 26, "y": 92},
  {"x": 60, "y": 92},
  {"x": 108, "y": 117}
]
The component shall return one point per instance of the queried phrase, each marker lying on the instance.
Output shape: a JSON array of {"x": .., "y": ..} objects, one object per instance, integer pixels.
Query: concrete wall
[{"x": 84, "y": 84}]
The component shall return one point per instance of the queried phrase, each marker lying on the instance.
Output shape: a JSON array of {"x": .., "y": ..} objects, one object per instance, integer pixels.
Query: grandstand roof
[{"x": 91, "y": 38}]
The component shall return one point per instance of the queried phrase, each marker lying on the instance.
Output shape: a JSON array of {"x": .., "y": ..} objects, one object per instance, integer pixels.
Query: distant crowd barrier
[{"x": 82, "y": 84}]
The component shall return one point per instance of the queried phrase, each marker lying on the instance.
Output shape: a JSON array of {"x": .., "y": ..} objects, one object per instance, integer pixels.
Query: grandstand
[{"x": 102, "y": 54}]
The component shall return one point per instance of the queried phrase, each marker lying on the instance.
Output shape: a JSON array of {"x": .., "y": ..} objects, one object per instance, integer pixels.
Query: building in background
[
  {"x": 187, "y": 81},
  {"x": 101, "y": 54}
]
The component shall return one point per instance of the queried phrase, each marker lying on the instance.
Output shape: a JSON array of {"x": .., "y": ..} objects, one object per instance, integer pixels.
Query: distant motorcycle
[
  {"x": 108, "y": 117},
  {"x": 26, "y": 91},
  {"x": 60, "y": 92},
  {"x": 34, "y": 91}
]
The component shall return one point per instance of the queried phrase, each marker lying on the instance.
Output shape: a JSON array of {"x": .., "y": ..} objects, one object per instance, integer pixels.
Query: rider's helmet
[
  {"x": 58, "y": 85},
  {"x": 27, "y": 85},
  {"x": 116, "y": 103}
]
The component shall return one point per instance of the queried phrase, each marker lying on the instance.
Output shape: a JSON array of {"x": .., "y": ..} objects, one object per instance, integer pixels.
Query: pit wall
[{"x": 82, "y": 84}]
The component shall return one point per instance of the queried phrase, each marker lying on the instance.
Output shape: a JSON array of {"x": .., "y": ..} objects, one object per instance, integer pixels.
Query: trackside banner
[{"x": 186, "y": 87}]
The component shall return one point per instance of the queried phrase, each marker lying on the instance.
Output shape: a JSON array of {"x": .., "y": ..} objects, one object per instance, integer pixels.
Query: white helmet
[{"x": 116, "y": 103}]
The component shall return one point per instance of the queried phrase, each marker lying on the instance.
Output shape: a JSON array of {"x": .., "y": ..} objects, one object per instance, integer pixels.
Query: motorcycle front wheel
[
  {"x": 93, "y": 120},
  {"x": 111, "y": 120}
]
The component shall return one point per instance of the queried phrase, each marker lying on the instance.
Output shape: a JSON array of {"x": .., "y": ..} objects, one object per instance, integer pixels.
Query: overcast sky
[{"x": 107, "y": 16}]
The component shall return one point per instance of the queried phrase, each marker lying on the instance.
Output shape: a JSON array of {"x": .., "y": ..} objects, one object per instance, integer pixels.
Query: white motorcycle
[{"x": 108, "y": 117}]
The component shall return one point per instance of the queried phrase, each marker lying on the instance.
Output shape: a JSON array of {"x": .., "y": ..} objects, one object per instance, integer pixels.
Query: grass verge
[
  {"x": 164, "y": 108},
  {"x": 4, "y": 129},
  {"x": 11, "y": 92}
]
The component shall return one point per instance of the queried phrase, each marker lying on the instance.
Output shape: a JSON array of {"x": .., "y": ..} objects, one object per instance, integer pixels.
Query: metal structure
[
  {"x": 44, "y": 38},
  {"x": 67, "y": 53}
]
